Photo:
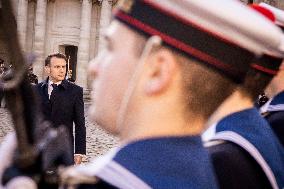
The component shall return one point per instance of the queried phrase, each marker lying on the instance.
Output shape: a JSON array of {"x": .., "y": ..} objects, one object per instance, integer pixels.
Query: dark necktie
[{"x": 54, "y": 86}]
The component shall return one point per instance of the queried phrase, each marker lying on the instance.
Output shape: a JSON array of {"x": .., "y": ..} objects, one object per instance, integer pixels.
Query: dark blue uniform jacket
[
  {"x": 250, "y": 132},
  {"x": 275, "y": 115},
  {"x": 161, "y": 163}
]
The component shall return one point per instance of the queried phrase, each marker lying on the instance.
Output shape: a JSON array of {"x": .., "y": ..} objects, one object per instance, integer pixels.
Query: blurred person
[
  {"x": 33, "y": 79},
  {"x": 243, "y": 143},
  {"x": 149, "y": 93},
  {"x": 151, "y": 96}
]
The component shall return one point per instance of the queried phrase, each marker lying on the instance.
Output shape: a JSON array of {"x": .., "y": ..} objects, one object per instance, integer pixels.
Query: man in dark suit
[{"x": 62, "y": 102}]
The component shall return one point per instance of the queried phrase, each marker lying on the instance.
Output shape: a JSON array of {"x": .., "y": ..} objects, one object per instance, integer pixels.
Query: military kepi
[{"x": 215, "y": 36}]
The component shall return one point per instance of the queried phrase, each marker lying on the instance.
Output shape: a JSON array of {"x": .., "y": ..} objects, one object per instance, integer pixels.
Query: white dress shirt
[{"x": 50, "y": 88}]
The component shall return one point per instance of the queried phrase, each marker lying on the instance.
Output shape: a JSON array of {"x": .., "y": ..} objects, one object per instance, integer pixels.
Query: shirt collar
[
  {"x": 63, "y": 83},
  {"x": 51, "y": 82}
]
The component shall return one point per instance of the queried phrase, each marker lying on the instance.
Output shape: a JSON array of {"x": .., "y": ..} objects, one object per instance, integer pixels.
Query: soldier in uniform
[
  {"x": 163, "y": 63},
  {"x": 151, "y": 96},
  {"x": 244, "y": 149},
  {"x": 273, "y": 110}
]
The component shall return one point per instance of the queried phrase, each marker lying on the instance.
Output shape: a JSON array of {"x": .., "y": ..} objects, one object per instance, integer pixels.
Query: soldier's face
[
  {"x": 57, "y": 69},
  {"x": 111, "y": 71}
]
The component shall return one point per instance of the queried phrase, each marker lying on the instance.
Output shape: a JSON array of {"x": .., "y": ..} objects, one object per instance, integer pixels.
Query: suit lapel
[{"x": 52, "y": 96}]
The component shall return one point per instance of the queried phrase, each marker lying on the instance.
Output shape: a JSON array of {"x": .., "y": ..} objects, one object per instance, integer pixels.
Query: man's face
[
  {"x": 111, "y": 71},
  {"x": 56, "y": 70}
]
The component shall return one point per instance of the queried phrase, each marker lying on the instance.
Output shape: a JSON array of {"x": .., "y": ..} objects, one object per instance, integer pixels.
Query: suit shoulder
[
  {"x": 39, "y": 85},
  {"x": 75, "y": 87}
]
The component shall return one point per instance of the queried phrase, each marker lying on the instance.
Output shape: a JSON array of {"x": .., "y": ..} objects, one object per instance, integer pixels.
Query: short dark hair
[
  {"x": 57, "y": 55},
  {"x": 255, "y": 83},
  {"x": 204, "y": 88}
]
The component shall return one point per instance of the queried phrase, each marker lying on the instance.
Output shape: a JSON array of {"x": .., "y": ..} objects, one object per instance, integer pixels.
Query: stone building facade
[{"x": 72, "y": 27}]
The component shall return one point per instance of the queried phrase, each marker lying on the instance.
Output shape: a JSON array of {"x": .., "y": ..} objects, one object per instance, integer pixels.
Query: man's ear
[{"x": 161, "y": 70}]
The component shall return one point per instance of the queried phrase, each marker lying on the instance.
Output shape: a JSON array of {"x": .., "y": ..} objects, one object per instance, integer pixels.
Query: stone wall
[{"x": 48, "y": 26}]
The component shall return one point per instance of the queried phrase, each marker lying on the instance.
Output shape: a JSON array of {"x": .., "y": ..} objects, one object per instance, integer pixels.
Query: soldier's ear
[{"x": 161, "y": 72}]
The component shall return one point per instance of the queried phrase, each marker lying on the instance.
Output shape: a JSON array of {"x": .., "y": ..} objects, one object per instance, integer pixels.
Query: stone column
[
  {"x": 22, "y": 20},
  {"x": 104, "y": 20},
  {"x": 39, "y": 38},
  {"x": 84, "y": 43}
]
